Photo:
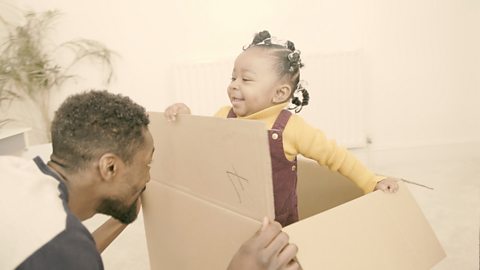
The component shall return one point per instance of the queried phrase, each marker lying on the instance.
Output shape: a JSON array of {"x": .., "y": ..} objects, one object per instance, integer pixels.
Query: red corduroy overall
[{"x": 284, "y": 172}]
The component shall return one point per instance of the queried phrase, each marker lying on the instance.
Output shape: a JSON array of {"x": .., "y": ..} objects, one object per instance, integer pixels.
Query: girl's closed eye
[{"x": 248, "y": 78}]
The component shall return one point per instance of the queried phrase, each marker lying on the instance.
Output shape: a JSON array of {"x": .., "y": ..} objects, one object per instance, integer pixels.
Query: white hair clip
[
  {"x": 300, "y": 97},
  {"x": 294, "y": 59},
  {"x": 268, "y": 42}
]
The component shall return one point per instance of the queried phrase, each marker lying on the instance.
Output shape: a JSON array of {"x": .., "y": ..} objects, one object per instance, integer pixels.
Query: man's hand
[{"x": 268, "y": 249}]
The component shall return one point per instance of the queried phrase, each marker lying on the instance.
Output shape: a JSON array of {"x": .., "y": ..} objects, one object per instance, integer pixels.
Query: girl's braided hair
[{"x": 288, "y": 65}]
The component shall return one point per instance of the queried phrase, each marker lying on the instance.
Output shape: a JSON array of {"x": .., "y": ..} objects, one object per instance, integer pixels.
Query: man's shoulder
[
  {"x": 33, "y": 212},
  {"x": 74, "y": 248},
  {"x": 21, "y": 171},
  {"x": 16, "y": 163}
]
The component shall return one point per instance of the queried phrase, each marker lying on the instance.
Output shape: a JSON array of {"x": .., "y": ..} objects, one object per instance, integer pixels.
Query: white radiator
[
  {"x": 336, "y": 84},
  {"x": 202, "y": 86}
]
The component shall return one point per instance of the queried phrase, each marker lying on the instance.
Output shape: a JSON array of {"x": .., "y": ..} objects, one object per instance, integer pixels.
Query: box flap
[
  {"x": 210, "y": 188},
  {"x": 376, "y": 231},
  {"x": 223, "y": 161}
]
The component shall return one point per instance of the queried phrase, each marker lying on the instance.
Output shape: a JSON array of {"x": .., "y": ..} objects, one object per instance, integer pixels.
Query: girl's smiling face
[{"x": 255, "y": 82}]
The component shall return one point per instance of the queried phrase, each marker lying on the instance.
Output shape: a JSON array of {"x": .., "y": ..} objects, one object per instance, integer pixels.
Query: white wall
[
  {"x": 425, "y": 71},
  {"x": 423, "y": 56}
]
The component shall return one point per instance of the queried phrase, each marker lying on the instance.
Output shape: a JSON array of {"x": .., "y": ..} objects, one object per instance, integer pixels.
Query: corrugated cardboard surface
[
  {"x": 185, "y": 232},
  {"x": 320, "y": 189},
  {"x": 211, "y": 185},
  {"x": 376, "y": 231},
  {"x": 224, "y": 161}
]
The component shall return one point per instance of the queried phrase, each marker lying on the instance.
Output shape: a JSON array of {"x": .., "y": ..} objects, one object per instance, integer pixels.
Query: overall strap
[
  {"x": 231, "y": 114},
  {"x": 282, "y": 120}
]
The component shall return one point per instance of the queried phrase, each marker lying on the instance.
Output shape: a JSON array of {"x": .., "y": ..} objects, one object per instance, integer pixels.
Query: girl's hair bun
[
  {"x": 260, "y": 37},
  {"x": 290, "y": 45}
]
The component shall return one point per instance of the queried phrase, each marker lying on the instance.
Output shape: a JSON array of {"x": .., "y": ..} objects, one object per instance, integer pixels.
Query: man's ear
[
  {"x": 282, "y": 94},
  {"x": 108, "y": 166}
]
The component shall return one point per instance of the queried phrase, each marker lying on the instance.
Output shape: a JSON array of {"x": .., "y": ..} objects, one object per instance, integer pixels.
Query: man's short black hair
[{"x": 90, "y": 124}]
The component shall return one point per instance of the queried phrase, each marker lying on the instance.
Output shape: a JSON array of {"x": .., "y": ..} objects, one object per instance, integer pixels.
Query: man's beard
[{"x": 116, "y": 209}]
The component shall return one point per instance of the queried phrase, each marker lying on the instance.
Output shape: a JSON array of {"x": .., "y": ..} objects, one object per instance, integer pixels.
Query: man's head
[
  {"x": 105, "y": 138},
  {"x": 89, "y": 124}
]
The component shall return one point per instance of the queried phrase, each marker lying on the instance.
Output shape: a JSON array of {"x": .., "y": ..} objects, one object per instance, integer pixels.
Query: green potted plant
[{"x": 30, "y": 71}]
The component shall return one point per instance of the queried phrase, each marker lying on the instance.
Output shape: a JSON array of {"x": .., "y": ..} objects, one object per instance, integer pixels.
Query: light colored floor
[{"x": 452, "y": 207}]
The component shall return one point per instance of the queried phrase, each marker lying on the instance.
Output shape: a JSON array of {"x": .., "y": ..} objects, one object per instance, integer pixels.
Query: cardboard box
[
  {"x": 211, "y": 187},
  {"x": 375, "y": 231},
  {"x": 320, "y": 189}
]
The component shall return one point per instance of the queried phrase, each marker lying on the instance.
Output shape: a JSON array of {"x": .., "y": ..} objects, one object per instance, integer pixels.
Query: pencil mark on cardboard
[{"x": 237, "y": 182}]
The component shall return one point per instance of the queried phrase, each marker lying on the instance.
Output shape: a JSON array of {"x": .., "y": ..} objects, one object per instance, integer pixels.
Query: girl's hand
[
  {"x": 173, "y": 110},
  {"x": 388, "y": 184}
]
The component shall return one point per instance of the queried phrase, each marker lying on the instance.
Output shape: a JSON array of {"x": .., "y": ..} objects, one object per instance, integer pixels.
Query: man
[{"x": 102, "y": 150}]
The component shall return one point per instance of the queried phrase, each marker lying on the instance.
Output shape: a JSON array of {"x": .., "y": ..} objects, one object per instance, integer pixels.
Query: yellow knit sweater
[{"x": 301, "y": 138}]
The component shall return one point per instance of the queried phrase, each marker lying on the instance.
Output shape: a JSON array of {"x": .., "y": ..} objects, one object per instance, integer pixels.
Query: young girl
[{"x": 265, "y": 78}]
